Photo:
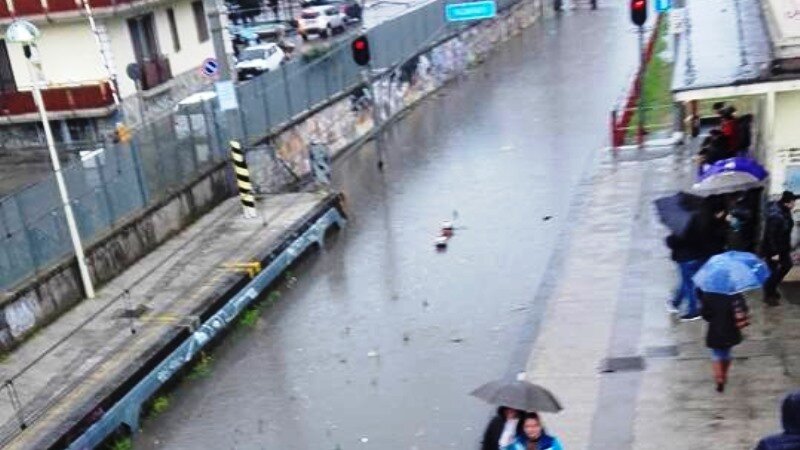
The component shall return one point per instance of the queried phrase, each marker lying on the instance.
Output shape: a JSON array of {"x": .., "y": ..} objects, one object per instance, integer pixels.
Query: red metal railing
[
  {"x": 23, "y": 8},
  {"x": 71, "y": 98}
]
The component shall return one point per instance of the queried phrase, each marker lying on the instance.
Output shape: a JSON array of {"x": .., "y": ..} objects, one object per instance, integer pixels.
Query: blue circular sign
[{"x": 210, "y": 67}]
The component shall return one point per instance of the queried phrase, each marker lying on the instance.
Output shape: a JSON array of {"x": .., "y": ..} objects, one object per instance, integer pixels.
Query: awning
[{"x": 725, "y": 45}]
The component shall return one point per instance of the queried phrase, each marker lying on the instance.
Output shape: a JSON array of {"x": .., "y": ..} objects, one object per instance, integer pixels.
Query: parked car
[
  {"x": 258, "y": 59},
  {"x": 320, "y": 20},
  {"x": 352, "y": 9}
]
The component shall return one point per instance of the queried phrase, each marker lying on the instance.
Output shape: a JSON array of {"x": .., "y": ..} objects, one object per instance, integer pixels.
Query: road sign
[
  {"x": 663, "y": 5},
  {"x": 460, "y": 12},
  {"x": 133, "y": 71},
  {"x": 210, "y": 67}
]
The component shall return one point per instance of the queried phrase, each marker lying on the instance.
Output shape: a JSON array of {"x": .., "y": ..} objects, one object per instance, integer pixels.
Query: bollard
[{"x": 243, "y": 181}]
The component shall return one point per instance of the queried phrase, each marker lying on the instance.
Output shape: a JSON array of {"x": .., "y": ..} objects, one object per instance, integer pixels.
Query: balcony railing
[
  {"x": 57, "y": 99},
  {"x": 155, "y": 72},
  {"x": 37, "y": 7}
]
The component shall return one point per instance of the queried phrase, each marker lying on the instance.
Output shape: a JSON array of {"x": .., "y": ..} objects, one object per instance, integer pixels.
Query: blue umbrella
[
  {"x": 739, "y": 164},
  {"x": 732, "y": 273}
]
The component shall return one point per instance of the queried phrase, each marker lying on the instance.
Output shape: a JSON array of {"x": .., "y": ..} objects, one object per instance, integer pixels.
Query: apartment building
[{"x": 169, "y": 39}]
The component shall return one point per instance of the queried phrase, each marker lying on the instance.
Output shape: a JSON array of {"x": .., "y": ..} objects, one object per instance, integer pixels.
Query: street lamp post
[{"x": 25, "y": 33}]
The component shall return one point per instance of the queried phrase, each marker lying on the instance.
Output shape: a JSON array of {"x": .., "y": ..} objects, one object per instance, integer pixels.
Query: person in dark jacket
[
  {"x": 705, "y": 237},
  {"x": 777, "y": 244},
  {"x": 723, "y": 332},
  {"x": 790, "y": 438},
  {"x": 502, "y": 429}
]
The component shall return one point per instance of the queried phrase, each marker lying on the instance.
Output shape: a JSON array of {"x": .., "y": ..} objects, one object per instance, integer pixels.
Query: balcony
[
  {"x": 44, "y": 8},
  {"x": 90, "y": 99},
  {"x": 155, "y": 72}
]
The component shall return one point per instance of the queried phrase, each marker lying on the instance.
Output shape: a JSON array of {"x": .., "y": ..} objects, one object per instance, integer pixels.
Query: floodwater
[{"x": 380, "y": 339}]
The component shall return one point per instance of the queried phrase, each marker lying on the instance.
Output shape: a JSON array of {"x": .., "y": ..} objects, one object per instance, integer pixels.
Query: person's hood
[{"x": 791, "y": 413}]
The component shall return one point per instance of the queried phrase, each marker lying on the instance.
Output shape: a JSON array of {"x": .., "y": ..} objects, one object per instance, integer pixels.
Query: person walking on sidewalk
[
  {"x": 777, "y": 244},
  {"x": 790, "y": 438},
  {"x": 503, "y": 429},
  {"x": 725, "y": 315},
  {"x": 533, "y": 436},
  {"x": 705, "y": 237}
]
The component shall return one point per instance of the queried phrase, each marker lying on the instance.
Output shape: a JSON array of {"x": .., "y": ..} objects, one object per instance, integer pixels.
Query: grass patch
[
  {"x": 316, "y": 52},
  {"x": 656, "y": 93},
  {"x": 202, "y": 368},
  {"x": 159, "y": 405},
  {"x": 250, "y": 316},
  {"x": 123, "y": 443}
]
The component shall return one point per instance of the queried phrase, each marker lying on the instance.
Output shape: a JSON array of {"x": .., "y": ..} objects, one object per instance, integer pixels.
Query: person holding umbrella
[
  {"x": 721, "y": 282},
  {"x": 534, "y": 436},
  {"x": 514, "y": 398},
  {"x": 503, "y": 429},
  {"x": 777, "y": 244}
]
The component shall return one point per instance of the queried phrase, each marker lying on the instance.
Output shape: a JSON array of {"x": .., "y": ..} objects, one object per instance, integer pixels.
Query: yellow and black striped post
[{"x": 243, "y": 180}]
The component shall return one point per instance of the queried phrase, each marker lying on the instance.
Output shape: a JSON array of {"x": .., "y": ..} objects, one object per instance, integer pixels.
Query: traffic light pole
[{"x": 640, "y": 82}]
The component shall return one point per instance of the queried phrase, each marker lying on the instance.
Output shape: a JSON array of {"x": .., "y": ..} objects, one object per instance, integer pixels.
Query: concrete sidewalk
[
  {"x": 615, "y": 276},
  {"x": 169, "y": 287}
]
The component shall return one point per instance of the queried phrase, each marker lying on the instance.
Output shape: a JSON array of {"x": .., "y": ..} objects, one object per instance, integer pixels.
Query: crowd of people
[{"x": 732, "y": 138}]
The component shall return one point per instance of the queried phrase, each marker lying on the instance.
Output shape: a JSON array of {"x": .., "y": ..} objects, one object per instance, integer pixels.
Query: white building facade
[{"x": 168, "y": 39}]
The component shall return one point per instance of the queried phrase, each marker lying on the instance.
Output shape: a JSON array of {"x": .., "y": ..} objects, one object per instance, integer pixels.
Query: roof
[{"x": 725, "y": 42}]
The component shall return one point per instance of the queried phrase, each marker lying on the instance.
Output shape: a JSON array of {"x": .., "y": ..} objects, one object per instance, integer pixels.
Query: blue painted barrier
[{"x": 126, "y": 411}]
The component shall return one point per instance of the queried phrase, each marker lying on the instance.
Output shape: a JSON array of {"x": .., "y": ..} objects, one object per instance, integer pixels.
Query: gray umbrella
[
  {"x": 727, "y": 182},
  {"x": 518, "y": 394}
]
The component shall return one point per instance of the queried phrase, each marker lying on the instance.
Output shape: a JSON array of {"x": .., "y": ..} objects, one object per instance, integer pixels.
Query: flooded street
[{"x": 380, "y": 340}]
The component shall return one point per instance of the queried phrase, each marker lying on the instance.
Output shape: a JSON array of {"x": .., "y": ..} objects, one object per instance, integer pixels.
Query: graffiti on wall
[{"x": 346, "y": 121}]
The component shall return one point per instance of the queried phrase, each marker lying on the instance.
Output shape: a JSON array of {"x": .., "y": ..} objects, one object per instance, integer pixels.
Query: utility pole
[{"x": 226, "y": 91}]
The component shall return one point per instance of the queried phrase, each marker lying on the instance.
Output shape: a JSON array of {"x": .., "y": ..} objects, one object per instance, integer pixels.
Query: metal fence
[
  {"x": 117, "y": 180},
  {"x": 106, "y": 185}
]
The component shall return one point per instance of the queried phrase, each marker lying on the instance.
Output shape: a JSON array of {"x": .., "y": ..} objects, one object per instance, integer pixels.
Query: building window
[
  {"x": 200, "y": 21},
  {"x": 173, "y": 29},
  {"x": 143, "y": 36},
  {"x": 7, "y": 83}
]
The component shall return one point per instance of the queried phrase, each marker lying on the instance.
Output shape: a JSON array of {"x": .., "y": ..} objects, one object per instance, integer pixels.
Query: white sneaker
[{"x": 671, "y": 308}]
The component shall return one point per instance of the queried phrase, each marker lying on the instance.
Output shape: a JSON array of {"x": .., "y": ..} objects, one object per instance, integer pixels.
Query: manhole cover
[
  {"x": 623, "y": 364},
  {"x": 663, "y": 351}
]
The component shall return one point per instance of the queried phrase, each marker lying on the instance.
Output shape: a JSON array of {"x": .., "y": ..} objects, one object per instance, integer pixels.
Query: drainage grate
[
  {"x": 663, "y": 351},
  {"x": 622, "y": 364}
]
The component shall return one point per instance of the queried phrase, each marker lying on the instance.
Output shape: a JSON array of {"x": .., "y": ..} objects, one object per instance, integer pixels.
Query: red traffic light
[
  {"x": 360, "y": 48},
  {"x": 639, "y": 12}
]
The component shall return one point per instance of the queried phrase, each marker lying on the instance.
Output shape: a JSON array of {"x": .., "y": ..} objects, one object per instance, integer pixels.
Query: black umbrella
[
  {"x": 677, "y": 211},
  {"x": 518, "y": 394}
]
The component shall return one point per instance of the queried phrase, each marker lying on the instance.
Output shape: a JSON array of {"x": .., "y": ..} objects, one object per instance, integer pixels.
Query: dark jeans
[{"x": 779, "y": 270}]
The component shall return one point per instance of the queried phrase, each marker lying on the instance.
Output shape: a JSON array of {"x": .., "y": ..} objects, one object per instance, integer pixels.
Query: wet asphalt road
[{"x": 380, "y": 340}]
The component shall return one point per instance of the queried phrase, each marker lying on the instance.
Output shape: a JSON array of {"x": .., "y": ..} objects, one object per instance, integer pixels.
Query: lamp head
[{"x": 22, "y": 32}]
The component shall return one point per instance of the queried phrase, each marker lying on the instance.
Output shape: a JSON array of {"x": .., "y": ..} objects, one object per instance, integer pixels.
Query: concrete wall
[
  {"x": 54, "y": 291},
  {"x": 784, "y": 150}
]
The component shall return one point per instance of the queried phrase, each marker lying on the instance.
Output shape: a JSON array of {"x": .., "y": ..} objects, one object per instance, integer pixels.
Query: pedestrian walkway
[
  {"x": 67, "y": 368},
  {"x": 657, "y": 391}
]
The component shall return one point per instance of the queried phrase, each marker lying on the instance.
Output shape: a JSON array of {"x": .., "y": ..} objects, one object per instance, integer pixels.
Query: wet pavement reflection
[{"x": 381, "y": 338}]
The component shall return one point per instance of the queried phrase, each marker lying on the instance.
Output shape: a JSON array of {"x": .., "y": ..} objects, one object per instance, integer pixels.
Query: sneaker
[
  {"x": 672, "y": 308},
  {"x": 720, "y": 387},
  {"x": 690, "y": 317}
]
